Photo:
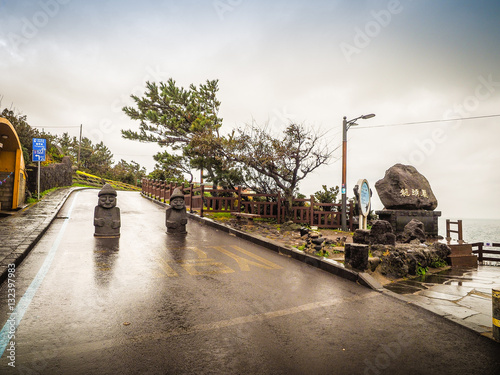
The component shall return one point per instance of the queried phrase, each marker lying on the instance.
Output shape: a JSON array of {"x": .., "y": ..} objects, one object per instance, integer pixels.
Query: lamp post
[{"x": 345, "y": 127}]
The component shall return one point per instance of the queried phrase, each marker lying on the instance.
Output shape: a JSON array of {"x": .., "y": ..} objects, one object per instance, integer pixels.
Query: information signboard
[
  {"x": 39, "y": 147},
  {"x": 363, "y": 195},
  {"x": 364, "y": 198}
]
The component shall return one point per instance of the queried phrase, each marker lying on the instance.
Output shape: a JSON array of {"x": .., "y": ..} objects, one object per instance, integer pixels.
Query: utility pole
[
  {"x": 79, "y": 147},
  {"x": 345, "y": 127}
]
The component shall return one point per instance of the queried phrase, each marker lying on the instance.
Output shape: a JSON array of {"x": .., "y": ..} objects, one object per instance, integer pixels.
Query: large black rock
[
  {"x": 404, "y": 188},
  {"x": 381, "y": 233},
  {"x": 414, "y": 230}
]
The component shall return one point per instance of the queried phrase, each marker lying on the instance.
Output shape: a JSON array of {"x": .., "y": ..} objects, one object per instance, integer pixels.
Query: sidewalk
[
  {"x": 462, "y": 296},
  {"x": 20, "y": 232}
]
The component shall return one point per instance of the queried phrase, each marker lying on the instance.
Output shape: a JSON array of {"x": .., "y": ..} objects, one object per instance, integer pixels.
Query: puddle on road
[{"x": 448, "y": 277}]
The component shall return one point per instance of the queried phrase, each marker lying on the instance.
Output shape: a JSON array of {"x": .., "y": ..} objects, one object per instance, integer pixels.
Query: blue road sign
[{"x": 39, "y": 147}]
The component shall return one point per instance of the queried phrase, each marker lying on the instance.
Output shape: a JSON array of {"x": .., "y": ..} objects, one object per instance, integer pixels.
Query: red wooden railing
[
  {"x": 202, "y": 199},
  {"x": 478, "y": 248}
]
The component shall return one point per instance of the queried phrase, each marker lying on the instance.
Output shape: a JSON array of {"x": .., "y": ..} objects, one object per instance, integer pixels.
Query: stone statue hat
[
  {"x": 177, "y": 194},
  {"x": 108, "y": 190}
]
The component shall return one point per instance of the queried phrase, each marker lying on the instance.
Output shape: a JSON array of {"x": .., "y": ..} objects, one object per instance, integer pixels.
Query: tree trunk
[{"x": 287, "y": 203}]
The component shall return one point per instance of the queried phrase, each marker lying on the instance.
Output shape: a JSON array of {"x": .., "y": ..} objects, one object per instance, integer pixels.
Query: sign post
[
  {"x": 364, "y": 203},
  {"x": 39, "y": 147}
]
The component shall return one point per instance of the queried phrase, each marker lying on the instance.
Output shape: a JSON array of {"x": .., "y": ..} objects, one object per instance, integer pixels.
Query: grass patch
[{"x": 218, "y": 215}]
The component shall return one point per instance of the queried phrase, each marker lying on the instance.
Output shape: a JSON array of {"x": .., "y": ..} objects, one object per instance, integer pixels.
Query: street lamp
[{"x": 345, "y": 127}]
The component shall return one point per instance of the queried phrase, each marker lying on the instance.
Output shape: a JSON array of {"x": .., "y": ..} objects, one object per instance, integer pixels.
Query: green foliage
[
  {"x": 285, "y": 160},
  {"x": 421, "y": 270},
  {"x": 323, "y": 253},
  {"x": 26, "y": 133},
  {"x": 186, "y": 122},
  {"x": 221, "y": 216},
  {"x": 96, "y": 159},
  {"x": 327, "y": 195},
  {"x": 129, "y": 173},
  {"x": 438, "y": 263}
]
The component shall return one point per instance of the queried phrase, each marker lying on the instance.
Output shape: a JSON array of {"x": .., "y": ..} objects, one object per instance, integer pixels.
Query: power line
[{"x": 426, "y": 122}]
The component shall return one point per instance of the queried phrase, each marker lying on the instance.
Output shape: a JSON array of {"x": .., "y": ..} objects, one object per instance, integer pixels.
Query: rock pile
[
  {"x": 407, "y": 259},
  {"x": 409, "y": 256},
  {"x": 381, "y": 233},
  {"x": 315, "y": 243}
]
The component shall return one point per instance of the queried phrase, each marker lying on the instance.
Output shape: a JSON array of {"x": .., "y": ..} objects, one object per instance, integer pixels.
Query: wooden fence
[
  {"x": 479, "y": 249},
  {"x": 203, "y": 199}
]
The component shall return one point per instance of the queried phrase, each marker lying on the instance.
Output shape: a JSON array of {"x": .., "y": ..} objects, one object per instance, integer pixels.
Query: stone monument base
[{"x": 399, "y": 218}]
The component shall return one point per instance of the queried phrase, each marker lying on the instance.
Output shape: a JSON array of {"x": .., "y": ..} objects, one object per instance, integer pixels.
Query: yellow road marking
[
  {"x": 243, "y": 263},
  {"x": 169, "y": 271},
  {"x": 201, "y": 254},
  {"x": 195, "y": 267},
  {"x": 260, "y": 259},
  {"x": 205, "y": 266}
]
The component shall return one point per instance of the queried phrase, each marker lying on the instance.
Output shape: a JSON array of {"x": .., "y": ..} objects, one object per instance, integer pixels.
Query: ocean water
[{"x": 474, "y": 230}]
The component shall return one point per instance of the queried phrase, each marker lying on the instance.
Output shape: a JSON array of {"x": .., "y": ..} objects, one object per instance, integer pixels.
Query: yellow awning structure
[{"x": 12, "y": 171}]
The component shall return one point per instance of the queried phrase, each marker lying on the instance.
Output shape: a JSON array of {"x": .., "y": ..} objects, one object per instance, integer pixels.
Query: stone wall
[
  {"x": 52, "y": 175},
  {"x": 399, "y": 218}
]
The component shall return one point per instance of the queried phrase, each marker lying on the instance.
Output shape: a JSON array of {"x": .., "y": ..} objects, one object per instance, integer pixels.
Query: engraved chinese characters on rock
[
  {"x": 414, "y": 192},
  {"x": 107, "y": 220}
]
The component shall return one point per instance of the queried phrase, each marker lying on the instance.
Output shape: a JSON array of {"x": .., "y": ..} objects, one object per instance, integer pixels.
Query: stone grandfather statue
[
  {"x": 176, "y": 216},
  {"x": 107, "y": 221}
]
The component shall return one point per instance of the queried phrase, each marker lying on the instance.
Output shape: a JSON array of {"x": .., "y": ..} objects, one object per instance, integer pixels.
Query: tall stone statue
[
  {"x": 176, "y": 216},
  {"x": 106, "y": 215}
]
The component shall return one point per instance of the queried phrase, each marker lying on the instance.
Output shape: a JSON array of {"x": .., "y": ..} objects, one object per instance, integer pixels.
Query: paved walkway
[{"x": 462, "y": 296}]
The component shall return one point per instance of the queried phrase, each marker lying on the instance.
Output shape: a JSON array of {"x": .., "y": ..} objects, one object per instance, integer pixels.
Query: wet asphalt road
[{"x": 210, "y": 303}]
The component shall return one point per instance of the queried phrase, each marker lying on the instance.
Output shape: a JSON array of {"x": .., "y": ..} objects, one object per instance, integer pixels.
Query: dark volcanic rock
[
  {"x": 356, "y": 255},
  {"x": 414, "y": 230},
  {"x": 361, "y": 236},
  {"x": 381, "y": 233},
  {"x": 404, "y": 188}
]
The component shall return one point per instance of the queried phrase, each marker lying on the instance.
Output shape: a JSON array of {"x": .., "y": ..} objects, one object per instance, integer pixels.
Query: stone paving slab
[
  {"x": 479, "y": 319},
  {"x": 458, "y": 311},
  {"x": 438, "y": 295},
  {"x": 455, "y": 290},
  {"x": 483, "y": 305},
  {"x": 462, "y": 296}
]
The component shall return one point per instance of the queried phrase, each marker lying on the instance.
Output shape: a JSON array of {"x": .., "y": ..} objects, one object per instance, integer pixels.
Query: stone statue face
[
  {"x": 107, "y": 201},
  {"x": 177, "y": 203}
]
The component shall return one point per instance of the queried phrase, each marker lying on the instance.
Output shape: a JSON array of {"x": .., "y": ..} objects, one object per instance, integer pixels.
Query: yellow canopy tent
[{"x": 12, "y": 171}]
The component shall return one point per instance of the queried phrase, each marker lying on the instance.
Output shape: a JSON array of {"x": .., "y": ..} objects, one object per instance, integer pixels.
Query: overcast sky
[{"x": 69, "y": 62}]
